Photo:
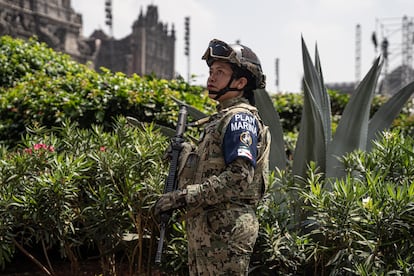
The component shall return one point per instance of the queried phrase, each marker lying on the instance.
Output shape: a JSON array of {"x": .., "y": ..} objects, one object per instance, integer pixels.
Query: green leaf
[
  {"x": 315, "y": 79},
  {"x": 310, "y": 145},
  {"x": 169, "y": 132},
  {"x": 192, "y": 111},
  {"x": 315, "y": 123},
  {"x": 270, "y": 117},
  {"x": 352, "y": 130},
  {"x": 386, "y": 114}
]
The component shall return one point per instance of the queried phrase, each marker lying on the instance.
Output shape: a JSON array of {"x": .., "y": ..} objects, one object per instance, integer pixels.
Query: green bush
[
  {"x": 369, "y": 217},
  {"x": 289, "y": 107},
  {"x": 69, "y": 188},
  {"x": 363, "y": 226},
  {"x": 41, "y": 86}
]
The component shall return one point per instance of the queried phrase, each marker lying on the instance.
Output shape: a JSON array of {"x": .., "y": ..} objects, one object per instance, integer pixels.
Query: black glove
[{"x": 170, "y": 201}]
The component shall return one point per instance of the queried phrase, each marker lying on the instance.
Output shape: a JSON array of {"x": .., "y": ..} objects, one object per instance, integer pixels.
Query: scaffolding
[{"x": 394, "y": 38}]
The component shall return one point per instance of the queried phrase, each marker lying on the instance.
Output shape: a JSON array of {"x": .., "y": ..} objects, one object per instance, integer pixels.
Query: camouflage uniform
[{"x": 225, "y": 178}]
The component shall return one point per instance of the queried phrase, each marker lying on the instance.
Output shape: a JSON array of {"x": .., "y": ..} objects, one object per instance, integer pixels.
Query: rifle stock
[{"x": 171, "y": 181}]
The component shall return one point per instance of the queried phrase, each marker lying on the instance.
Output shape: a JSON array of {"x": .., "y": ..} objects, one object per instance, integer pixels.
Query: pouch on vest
[{"x": 187, "y": 166}]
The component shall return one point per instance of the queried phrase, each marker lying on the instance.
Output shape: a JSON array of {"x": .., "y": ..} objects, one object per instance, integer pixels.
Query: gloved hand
[{"x": 170, "y": 201}]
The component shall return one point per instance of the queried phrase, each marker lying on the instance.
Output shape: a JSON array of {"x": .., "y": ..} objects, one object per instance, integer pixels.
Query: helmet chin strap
[{"x": 224, "y": 90}]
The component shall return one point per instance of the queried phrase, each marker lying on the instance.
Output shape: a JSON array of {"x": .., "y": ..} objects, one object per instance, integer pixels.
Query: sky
[{"x": 273, "y": 29}]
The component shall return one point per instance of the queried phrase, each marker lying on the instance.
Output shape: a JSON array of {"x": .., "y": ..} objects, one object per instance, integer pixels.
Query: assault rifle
[{"x": 171, "y": 181}]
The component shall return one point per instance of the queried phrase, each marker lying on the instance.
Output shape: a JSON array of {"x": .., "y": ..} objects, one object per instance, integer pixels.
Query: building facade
[
  {"x": 53, "y": 22},
  {"x": 149, "y": 49}
]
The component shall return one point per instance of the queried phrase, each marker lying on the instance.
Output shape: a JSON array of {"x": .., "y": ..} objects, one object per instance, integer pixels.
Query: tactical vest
[{"x": 197, "y": 165}]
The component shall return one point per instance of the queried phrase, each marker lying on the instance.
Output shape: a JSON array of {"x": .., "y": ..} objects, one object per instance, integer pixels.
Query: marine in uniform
[{"x": 223, "y": 177}]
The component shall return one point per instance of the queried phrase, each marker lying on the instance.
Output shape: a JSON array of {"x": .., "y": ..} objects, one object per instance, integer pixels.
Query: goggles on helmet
[{"x": 218, "y": 49}]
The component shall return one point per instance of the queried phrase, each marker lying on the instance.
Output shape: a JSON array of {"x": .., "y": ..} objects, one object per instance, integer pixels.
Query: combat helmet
[{"x": 239, "y": 55}]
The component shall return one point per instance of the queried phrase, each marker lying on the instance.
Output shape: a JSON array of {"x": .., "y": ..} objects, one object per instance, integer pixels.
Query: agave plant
[
  {"x": 355, "y": 130},
  {"x": 316, "y": 142}
]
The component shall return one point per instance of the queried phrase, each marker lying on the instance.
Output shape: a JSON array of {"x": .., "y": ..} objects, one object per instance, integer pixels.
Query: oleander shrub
[
  {"x": 364, "y": 225},
  {"x": 67, "y": 189}
]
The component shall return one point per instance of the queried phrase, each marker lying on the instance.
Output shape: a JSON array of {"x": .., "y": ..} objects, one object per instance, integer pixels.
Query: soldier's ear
[{"x": 241, "y": 83}]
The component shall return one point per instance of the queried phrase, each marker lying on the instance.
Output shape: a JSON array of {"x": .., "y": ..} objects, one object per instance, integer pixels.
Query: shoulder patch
[{"x": 240, "y": 139}]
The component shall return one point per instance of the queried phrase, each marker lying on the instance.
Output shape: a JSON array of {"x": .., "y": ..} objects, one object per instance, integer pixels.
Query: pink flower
[
  {"x": 102, "y": 148},
  {"x": 43, "y": 146},
  {"x": 39, "y": 146}
]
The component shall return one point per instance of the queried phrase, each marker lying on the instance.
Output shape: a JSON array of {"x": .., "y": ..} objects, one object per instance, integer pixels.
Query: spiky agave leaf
[
  {"x": 167, "y": 131},
  {"x": 352, "y": 130},
  {"x": 386, "y": 114},
  {"x": 271, "y": 118},
  {"x": 315, "y": 123},
  {"x": 192, "y": 111},
  {"x": 322, "y": 97}
]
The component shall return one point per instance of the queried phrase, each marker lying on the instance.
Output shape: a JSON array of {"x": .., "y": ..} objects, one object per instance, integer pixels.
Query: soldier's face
[{"x": 219, "y": 76}]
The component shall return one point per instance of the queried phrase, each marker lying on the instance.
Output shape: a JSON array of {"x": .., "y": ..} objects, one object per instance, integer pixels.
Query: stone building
[
  {"x": 53, "y": 22},
  {"x": 149, "y": 49}
]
